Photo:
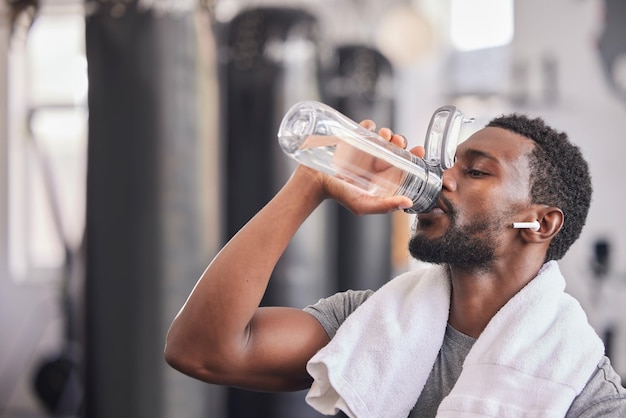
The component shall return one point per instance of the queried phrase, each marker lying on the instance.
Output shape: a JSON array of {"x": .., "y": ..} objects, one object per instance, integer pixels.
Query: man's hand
[{"x": 356, "y": 200}]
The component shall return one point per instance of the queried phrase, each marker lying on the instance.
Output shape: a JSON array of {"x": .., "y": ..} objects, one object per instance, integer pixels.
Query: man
[{"x": 486, "y": 330}]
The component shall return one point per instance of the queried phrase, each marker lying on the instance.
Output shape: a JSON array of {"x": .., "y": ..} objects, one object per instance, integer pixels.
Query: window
[
  {"x": 480, "y": 24},
  {"x": 47, "y": 142}
]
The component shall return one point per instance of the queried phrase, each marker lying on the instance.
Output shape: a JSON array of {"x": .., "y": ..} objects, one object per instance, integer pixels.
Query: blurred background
[{"x": 137, "y": 136}]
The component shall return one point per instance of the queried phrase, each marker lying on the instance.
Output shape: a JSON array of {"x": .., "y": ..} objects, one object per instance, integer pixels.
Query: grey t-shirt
[{"x": 603, "y": 396}]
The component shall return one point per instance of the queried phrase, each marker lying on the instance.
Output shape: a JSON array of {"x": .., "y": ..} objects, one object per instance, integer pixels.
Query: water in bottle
[{"x": 322, "y": 138}]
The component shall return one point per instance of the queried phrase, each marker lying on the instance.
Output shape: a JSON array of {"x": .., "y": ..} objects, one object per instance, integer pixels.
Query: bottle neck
[{"x": 424, "y": 191}]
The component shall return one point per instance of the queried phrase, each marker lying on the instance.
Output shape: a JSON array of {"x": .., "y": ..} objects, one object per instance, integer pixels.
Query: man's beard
[{"x": 467, "y": 246}]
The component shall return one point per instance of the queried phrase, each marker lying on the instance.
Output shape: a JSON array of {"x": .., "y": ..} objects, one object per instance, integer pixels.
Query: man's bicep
[{"x": 281, "y": 342}]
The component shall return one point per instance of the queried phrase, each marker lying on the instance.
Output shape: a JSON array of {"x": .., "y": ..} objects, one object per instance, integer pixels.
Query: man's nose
[{"x": 448, "y": 179}]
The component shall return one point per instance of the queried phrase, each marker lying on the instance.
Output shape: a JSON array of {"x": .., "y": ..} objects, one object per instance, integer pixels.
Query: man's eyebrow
[{"x": 472, "y": 152}]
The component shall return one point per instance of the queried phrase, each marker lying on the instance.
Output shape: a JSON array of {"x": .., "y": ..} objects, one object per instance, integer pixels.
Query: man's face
[{"x": 483, "y": 194}]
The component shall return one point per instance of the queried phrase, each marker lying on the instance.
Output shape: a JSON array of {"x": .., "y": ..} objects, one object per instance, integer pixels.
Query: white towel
[
  {"x": 532, "y": 359},
  {"x": 382, "y": 355}
]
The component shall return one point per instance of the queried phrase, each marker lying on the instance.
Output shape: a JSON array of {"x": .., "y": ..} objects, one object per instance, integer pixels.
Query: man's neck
[{"x": 478, "y": 294}]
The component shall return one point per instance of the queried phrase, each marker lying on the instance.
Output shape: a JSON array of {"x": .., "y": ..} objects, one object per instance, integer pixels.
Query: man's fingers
[
  {"x": 419, "y": 151},
  {"x": 385, "y": 133},
  {"x": 368, "y": 124},
  {"x": 399, "y": 140}
]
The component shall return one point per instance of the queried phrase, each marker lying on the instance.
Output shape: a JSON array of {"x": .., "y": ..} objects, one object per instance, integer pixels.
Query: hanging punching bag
[
  {"x": 358, "y": 83},
  {"x": 257, "y": 82}
]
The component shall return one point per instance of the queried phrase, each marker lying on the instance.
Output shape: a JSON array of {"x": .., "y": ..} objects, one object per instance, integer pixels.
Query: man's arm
[
  {"x": 602, "y": 396},
  {"x": 221, "y": 335}
]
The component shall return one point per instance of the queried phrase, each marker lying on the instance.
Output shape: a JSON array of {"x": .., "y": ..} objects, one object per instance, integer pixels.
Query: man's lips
[{"x": 439, "y": 209}]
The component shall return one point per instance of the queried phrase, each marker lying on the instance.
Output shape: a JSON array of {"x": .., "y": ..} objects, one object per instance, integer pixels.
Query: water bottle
[{"x": 322, "y": 138}]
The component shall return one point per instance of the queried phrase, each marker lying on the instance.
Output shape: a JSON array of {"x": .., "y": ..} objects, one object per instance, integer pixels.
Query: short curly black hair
[{"x": 559, "y": 176}]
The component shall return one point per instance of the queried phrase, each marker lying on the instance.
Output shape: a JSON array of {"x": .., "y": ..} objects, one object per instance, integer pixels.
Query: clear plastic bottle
[{"x": 322, "y": 138}]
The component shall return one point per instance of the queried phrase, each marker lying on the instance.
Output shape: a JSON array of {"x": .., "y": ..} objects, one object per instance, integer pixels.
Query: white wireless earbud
[{"x": 534, "y": 225}]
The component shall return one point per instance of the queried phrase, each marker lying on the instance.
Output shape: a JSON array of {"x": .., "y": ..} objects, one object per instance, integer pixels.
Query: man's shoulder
[
  {"x": 332, "y": 311},
  {"x": 602, "y": 396}
]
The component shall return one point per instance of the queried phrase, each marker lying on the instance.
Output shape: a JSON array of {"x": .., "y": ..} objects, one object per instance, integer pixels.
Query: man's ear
[{"x": 550, "y": 220}]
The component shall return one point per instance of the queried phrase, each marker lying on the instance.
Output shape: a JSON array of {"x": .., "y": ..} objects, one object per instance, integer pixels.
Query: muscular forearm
[{"x": 214, "y": 323}]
